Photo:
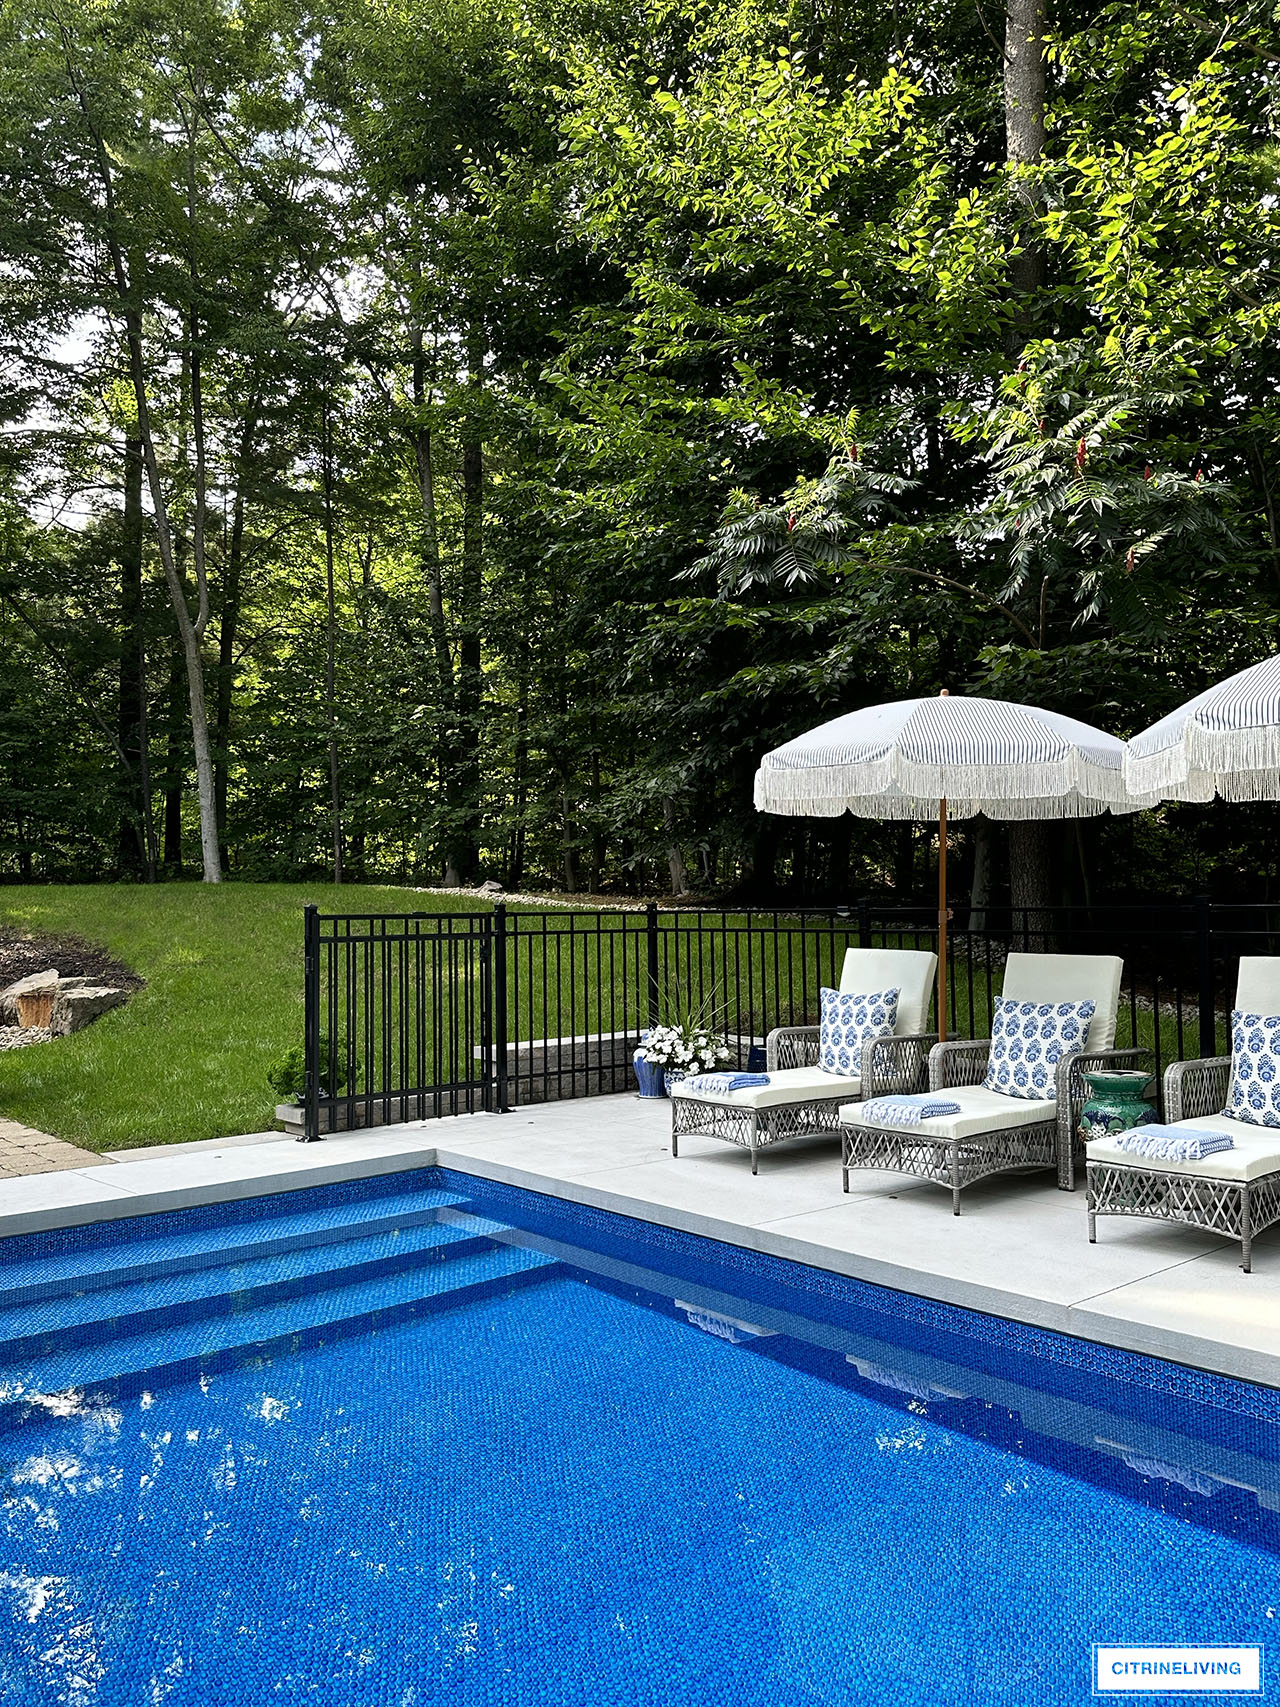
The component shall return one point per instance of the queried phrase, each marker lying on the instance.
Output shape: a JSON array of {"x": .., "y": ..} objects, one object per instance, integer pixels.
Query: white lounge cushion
[
  {"x": 909, "y": 971},
  {"x": 1258, "y": 985},
  {"x": 1070, "y": 978},
  {"x": 981, "y": 1110},
  {"x": 1256, "y": 1152},
  {"x": 790, "y": 1084}
]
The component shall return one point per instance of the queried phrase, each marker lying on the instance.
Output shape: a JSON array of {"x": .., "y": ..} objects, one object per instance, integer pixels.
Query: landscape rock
[
  {"x": 74, "y": 1009},
  {"x": 491, "y": 888},
  {"x": 34, "y": 984}
]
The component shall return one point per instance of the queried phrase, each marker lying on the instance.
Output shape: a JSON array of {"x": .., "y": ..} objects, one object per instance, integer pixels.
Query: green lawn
[{"x": 188, "y": 1056}]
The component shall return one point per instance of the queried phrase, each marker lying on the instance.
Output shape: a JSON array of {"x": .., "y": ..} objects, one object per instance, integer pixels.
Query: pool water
[{"x": 425, "y": 1439}]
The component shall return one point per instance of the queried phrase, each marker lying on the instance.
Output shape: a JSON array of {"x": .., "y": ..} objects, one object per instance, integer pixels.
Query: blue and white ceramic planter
[{"x": 650, "y": 1076}]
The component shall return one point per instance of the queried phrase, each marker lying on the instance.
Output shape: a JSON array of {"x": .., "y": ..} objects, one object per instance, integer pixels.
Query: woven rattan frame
[
  {"x": 888, "y": 1064},
  {"x": 1236, "y": 1209},
  {"x": 1195, "y": 1088},
  {"x": 960, "y": 1162}
]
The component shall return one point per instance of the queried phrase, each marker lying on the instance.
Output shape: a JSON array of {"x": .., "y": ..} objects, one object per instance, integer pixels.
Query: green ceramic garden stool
[{"x": 1117, "y": 1101}]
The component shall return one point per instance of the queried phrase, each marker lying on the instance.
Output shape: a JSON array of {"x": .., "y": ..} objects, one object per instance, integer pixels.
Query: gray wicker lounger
[
  {"x": 801, "y": 1100},
  {"x": 993, "y": 1132},
  {"x": 1236, "y": 1192}
]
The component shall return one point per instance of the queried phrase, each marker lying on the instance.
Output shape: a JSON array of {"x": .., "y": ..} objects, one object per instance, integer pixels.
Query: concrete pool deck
[{"x": 1019, "y": 1250}]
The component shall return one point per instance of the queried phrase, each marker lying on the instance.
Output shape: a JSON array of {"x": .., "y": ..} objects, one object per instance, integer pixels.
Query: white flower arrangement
[{"x": 684, "y": 1048}]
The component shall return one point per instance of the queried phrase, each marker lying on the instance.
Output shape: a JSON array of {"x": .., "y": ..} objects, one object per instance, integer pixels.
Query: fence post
[
  {"x": 500, "y": 1002},
  {"x": 651, "y": 944},
  {"x": 1204, "y": 959},
  {"x": 311, "y": 1024}
]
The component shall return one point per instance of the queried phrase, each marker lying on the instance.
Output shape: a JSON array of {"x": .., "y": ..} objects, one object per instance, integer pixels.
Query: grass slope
[{"x": 188, "y": 1057}]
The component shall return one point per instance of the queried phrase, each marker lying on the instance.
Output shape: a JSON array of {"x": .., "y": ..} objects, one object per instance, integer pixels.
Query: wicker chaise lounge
[
  {"x": 801, "y": 1099},
  {"x": 993, "y": 1131},
  {"x": 1235, "y": 1192}
]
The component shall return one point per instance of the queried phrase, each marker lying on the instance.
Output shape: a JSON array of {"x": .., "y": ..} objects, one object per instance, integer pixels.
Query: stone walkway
[{"x": 23, "y": 1150}]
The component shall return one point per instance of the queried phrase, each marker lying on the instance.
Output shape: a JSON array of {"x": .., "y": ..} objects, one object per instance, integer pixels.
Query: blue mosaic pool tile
[
  {"x": 169, "y": 1296},
  {"x": 178, "y": 1345},
  {"x": 105, "y": 1252},
  {"x": 836, "y": 1297},
  {"x": 563, "y": 1497}
]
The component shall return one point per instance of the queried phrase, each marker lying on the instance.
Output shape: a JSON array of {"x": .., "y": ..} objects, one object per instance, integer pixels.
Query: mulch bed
[{"x": 70, "y": 956}]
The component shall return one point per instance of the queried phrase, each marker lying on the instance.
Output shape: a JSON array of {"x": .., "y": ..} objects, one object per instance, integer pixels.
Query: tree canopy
[{"x": 453, "y": 441}]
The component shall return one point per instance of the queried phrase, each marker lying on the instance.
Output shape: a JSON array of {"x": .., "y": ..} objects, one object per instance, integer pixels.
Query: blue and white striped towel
[
  {"x": 905, "y": 1110},
  {"x": 716, "y": 1084},
  {"x": 1174, "y": 1143}
]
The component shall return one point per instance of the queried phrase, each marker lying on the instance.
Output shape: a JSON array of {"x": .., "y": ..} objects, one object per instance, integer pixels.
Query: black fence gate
[{"x": 410, "y": 1016}]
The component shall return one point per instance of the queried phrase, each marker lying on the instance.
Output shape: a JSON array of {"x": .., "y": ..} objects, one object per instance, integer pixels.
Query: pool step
[
  {"x": 306, "y": 1319},
  {"x": 63, "y": 1321},
  {"x": 246, "y": 1234}
]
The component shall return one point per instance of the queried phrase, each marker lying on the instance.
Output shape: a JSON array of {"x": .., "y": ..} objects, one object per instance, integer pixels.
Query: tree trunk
[
  {"x": 760, "y": 869},
  {"x": 175, "y": 767},
  {"x": 465, "y": 816},
  {"x": 904, "y": 861},
  {"x": 675, "y": 854},
  {"x": 331, "y": 644},
  {"x": 1024, "y": 98},
  {"x": 190, "y": 630},
  {"x": 432, "y": 569},
  {"x": 980, "y": 887},
  {"x": 1030, "y": 875},
  {"x": 136, "y": 841},
  {"x": 841, "y": 846},
  {"x": 515, "y": 868},
  {"x": 1031, "y": 883},
  {"x": 228, "y": 628},
  {"x": 568, "y": 857}
]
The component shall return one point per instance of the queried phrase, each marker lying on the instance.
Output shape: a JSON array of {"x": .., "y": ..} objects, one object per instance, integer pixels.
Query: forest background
[{"x": 447, "y": 439}]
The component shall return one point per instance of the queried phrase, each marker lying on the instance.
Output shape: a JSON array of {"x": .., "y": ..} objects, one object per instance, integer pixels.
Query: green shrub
[{"x": 288, "y": 1077}]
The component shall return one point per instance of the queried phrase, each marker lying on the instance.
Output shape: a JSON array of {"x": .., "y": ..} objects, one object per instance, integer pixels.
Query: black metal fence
[{"x": 415, "y": 1015}]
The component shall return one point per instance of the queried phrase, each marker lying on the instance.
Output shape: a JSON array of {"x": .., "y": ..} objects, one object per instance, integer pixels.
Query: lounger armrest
[
  {"x": 960, "y": 1063},
  {"x": 792, "y": 1046},
  {"x": 896, "y": 1066},
  {"x": 1193, "y": 1088},
  {"x": 1072, "y": 1093}
]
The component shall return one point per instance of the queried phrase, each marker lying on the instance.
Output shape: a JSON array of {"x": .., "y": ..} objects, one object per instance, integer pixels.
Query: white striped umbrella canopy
[
  {"x": 950, "y": 756},
  {"x": 1224, "y": 741},
  {"x": 979, "y": 755}
]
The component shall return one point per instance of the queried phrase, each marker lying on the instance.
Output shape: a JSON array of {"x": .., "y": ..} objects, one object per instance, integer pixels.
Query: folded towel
[
  {"x": 716, "y": 1084},
  {"x": 1174, "y": 1143},
  {"x": 905, "y": 1110}
]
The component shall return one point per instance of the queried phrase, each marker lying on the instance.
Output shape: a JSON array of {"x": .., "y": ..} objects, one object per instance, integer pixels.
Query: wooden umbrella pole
[
  {"x": 942, "y": 921},
  {"x": 942, "y": 912}
]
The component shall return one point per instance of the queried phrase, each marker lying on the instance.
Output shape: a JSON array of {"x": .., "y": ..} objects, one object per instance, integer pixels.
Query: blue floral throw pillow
[
  {"x": 1255, "y": 1069},
  {"x": 1028, "y": 1039},
  {"x": 847, "y": 1023}
]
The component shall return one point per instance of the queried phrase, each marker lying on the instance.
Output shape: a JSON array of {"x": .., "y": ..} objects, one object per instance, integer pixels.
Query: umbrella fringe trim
[
  {"x": 902, "y": 789},
  {"x": 891, "y": 807},
  {"x": 1240, "y": 764}
]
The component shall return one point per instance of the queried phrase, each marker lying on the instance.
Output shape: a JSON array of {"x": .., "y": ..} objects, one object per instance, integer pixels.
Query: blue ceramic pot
[{"x": 651, "y": 1077}]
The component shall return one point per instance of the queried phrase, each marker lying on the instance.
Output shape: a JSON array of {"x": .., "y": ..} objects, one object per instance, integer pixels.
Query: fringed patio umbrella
[
  {"x": 1224, "y": 741},
  {"x": 947, "y": 757}
]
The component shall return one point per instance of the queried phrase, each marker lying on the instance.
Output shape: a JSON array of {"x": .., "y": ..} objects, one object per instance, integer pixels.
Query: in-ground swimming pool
[{"x": 427, "y": 1439}]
